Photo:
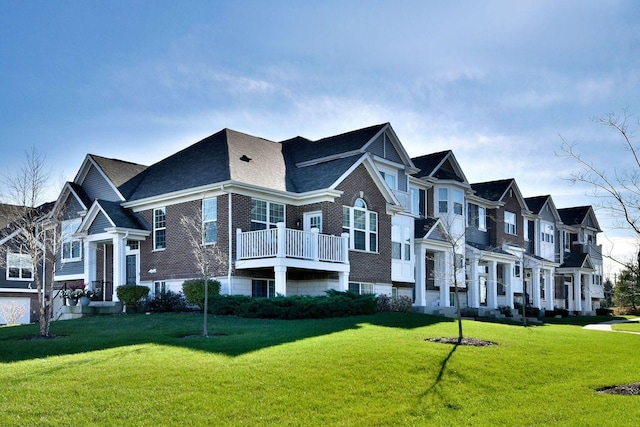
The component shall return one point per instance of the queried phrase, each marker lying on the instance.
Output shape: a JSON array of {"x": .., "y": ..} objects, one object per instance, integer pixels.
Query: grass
[
  {"x": 629, "y": 327},
  {"x": 371, "y": 370}
]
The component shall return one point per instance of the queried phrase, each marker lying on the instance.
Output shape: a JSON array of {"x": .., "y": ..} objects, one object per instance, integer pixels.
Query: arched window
[{"x": 362, "y": 226}]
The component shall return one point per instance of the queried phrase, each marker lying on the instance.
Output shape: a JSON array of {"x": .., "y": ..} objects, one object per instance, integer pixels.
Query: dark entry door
[{"x": 132, "y": 264}]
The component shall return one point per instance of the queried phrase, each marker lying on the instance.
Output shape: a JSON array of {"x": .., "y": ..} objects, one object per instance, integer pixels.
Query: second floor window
[
  {"x": 362, "y": 226},
  {"x": 509, "y": 222},
  {"x": 210, "y": 220},
  {"x": 458, "y": 202},
  {"x": 265, "y": 214},
  {"x": 482, "y": 218},
  {"x": 159, "y": 228},
  {"x": 71, "y": 248},
  {"x": 443, "y": 200}
]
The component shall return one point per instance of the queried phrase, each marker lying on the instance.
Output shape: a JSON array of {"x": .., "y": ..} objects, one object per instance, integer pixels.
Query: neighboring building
[{"x": 299, "y": 217}]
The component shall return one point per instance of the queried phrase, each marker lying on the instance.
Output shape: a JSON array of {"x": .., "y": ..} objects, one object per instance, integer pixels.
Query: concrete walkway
[{"x": 606, "y": 326}]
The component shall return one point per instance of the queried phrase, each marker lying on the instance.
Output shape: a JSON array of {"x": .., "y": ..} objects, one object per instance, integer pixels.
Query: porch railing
[{"x": 281, "y": 242}]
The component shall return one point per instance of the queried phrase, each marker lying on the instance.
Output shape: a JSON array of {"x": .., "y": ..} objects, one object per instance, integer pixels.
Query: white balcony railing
[
  {"x": 404, "y": 198},
  {"x": 281, "y": 242}
]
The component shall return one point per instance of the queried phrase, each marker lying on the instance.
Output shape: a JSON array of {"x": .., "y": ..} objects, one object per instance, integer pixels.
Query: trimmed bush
[
  {"x": 166, "y": 302},
  {"x": 131, "y": 295},
  {"x": 402, "y": 304},
  {"x": 335, "y": 304},
  {"x": 604, "y": 312},
  {"x": 193, "y": 291}
]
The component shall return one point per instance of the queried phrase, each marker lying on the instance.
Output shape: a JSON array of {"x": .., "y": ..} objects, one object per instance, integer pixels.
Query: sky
[{"x": 501, "y": 83}]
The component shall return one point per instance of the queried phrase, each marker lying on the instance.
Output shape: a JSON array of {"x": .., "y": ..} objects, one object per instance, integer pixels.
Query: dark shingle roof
[
  {"x": 535, "y": 204},
  {"x": 574, "y": 260},
  {"x": 423, "y": 226},
  {"x": 428, "y": 163},
  {"x": 574, "y": 215},
  {"x": 123, "y": 218},
  {"x": 202, "y": 163},
  {"x": 84, "y": 198},
  {"x": 492, "y": 190},
  {"x": 302, "y": 150},
  {"x": 318, "y": 176},
  {"x": 124, "y": 175}
]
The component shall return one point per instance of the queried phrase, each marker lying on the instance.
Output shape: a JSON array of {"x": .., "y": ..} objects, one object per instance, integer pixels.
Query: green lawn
[
  {"x": 139, "y": 370},
  {"x": 629, "y": 327}
]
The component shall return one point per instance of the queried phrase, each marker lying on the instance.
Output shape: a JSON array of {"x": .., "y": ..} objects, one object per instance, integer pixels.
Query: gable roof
[
  {"x": 442, "y": 165},
  {"x": 577, "y": 260},
  {"x": 496, "y": 190},
  {"x": 576, "y": 216},
  {"x": 536, "y": 203}
]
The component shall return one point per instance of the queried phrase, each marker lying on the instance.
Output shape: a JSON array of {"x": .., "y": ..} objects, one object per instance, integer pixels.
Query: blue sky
[{"x": 498, "y": 82}]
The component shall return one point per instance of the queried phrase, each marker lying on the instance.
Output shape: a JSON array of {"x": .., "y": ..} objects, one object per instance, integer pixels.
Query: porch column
[
  {"x": 281, "y": 279},
  {"x": 445, "y": 277},
  {"x": 587, "y": 307},
  {"x": 421, "y": 277},
  {"x": 535, "y": 287},
  {"x": 569, "y": 297},
  {"x": 119, "y": 264},
  {"x": 473, "y": 286},
  {"x": 577, "y": 293},
  {"x": 549, "y": 290},
  {"x": 90, "y": 255},
  {"x": 492, "y": 285},
  {"x": 343, "y": 281},
  {"x": 281, "y": 240},
  {"x": 507, "y": 276}
]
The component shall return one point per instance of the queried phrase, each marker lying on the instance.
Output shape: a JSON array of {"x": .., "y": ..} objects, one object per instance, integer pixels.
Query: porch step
[{"x": 96, "y": 308}]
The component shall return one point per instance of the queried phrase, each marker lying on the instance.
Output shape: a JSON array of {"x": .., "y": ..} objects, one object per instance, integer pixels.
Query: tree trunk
[{"x": 205, "y": 326}]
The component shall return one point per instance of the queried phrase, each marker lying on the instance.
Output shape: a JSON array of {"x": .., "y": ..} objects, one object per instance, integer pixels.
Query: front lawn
[
  {"x": 369, "y": 370},
  {"x": 629, "y": 327}
]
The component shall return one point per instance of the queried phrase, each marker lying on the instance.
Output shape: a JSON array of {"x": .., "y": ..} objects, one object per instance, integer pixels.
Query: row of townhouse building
[{"x": 298, "y": 217}]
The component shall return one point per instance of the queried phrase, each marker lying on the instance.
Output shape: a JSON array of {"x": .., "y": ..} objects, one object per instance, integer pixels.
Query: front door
[
  {"x": 313, "y": 220},
  {"x": 132, "y": 270}
]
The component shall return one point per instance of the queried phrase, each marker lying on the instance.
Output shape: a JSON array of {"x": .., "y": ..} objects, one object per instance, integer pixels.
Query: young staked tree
[
  {"x": 34, "y": 230},
  {"x": 208, "y": 259}
]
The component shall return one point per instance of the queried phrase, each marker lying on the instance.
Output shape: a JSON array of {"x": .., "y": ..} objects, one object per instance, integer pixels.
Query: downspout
[{"x": 230, "y": 249}]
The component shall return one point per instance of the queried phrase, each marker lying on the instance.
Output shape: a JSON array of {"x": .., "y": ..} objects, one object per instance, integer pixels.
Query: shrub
[
  {"x": 193, "y": 291},
  {"x": 335, "y": 304},
  {"x": 167, "y": 302},
  {"x": 506, "y": 310},
  {"x": 402, "y": 304},
  {"x": 131, "y": 295}
]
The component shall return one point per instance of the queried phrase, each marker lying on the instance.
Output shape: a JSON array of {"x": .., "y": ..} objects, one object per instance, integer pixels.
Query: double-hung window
[
  {"x": 401, "y": 241},
  {"x": 415, "y": 200},
  {"x": 509, "y": 222},
  {"x": 159, "y": 228},
  {"x": 71, "y": 248},
  {"x": 362, "y": 226},
  {"x": 265, "y": 214},
  {"x": 458, "y": 202},
  {"x": 482, "y": 218},
  {"x": 443, "y": 200},
  {"x": 19, "y": 267},
  {"x": 210, "y": 220}
]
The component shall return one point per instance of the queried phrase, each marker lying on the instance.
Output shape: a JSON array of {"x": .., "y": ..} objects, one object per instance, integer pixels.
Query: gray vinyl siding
[
  {"x": 71, "y": 208},
  {"x": 402, "y": 181},
  {"x": 99, "y": 224},
  {"x": 390, "y": 152},
  {"x": 97, "y": 187},
  {"x": 546, "y": 215},
  {"x": 76, "y": 267},
  {"x": 377, "y": 146},
  {"x": 382, "y": 147},
  {"x": 473, "y": 235}
]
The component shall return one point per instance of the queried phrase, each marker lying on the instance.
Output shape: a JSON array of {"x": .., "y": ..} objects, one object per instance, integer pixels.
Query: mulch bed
[
  {"x": 632, "y": 389},
  {"x": 475, "y": 342}
]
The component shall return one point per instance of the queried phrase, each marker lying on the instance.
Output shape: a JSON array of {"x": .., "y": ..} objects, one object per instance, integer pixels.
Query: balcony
[
  {"x": 404, "y": 198},
  {"x": 292, "y": 248}
]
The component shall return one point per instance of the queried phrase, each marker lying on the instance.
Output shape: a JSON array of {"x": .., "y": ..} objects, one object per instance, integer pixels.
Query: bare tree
[
  {"x": 618, "y": 189},
  {"x": 35, "y": 230},
  {"x": 207, "y": 256}
]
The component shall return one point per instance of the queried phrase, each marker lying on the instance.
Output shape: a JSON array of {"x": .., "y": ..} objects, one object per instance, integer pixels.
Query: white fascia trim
[
  {"x": 131, "y": 233},
  {"x": 64, "y": 194},
  {"x": 84, "y": 170},
  {"x": 439, "y": 245},
  {"x": 375, "y": 175},
  {"x": 328, "y": 158},
  {"x": 395, "y": 141},
  {"x": 18, "y": 291},
  {"x": 477, "y": 200},
  {"x": 198, "y": 193},
  {"x": 61, "y": 278},
  {"x": 91, "y": 216},
  {"x": 10, "y": 236},
  {"x": 419, "y": 183}
]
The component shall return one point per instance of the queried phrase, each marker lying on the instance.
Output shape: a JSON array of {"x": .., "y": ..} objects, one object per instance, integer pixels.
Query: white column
[
  {"x": 89, "y": 263},
  {"x": 421, "y": 276},
  {"x": 535, "y": 287},
  {"x": 507, "y": 276},
  {"x": 492, "y": 285},
  {"x": 549, "y": 290},
  {"x": 445, "y": 278},
  {"x": 577, "y": 294},
  {"x": 343, "y": 279},
  {"x": 281, "y": 240},
  {"x": 570, "y": 296},
  {"x": 119, "y": 264},
  {"x": 281, "y": 279},
  {"x": 587, "y": 306},
  {"x": 473, "y": 287}
]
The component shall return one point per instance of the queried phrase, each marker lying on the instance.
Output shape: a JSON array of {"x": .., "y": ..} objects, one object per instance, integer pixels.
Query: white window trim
[
  {"x": 508, "y": 224},
  {"x": 67, "y": 238},
  {"x": 482, "y": 225},
  {"x": 205, "y": 221},
  {"x": 269, "y": 223},
  {"x": 21, "y": 265},
  {"x": 368, "y": 231},
  {"x": 156, "y": 228},
  {"x": 364, "y": 287}
]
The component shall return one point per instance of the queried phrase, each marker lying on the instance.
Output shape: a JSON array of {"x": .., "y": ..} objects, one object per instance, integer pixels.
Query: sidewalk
[{"x": 606, "y": 326}]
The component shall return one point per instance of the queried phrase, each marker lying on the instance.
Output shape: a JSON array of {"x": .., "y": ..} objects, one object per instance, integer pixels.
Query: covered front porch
[{"x": 282, "y": 249}]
